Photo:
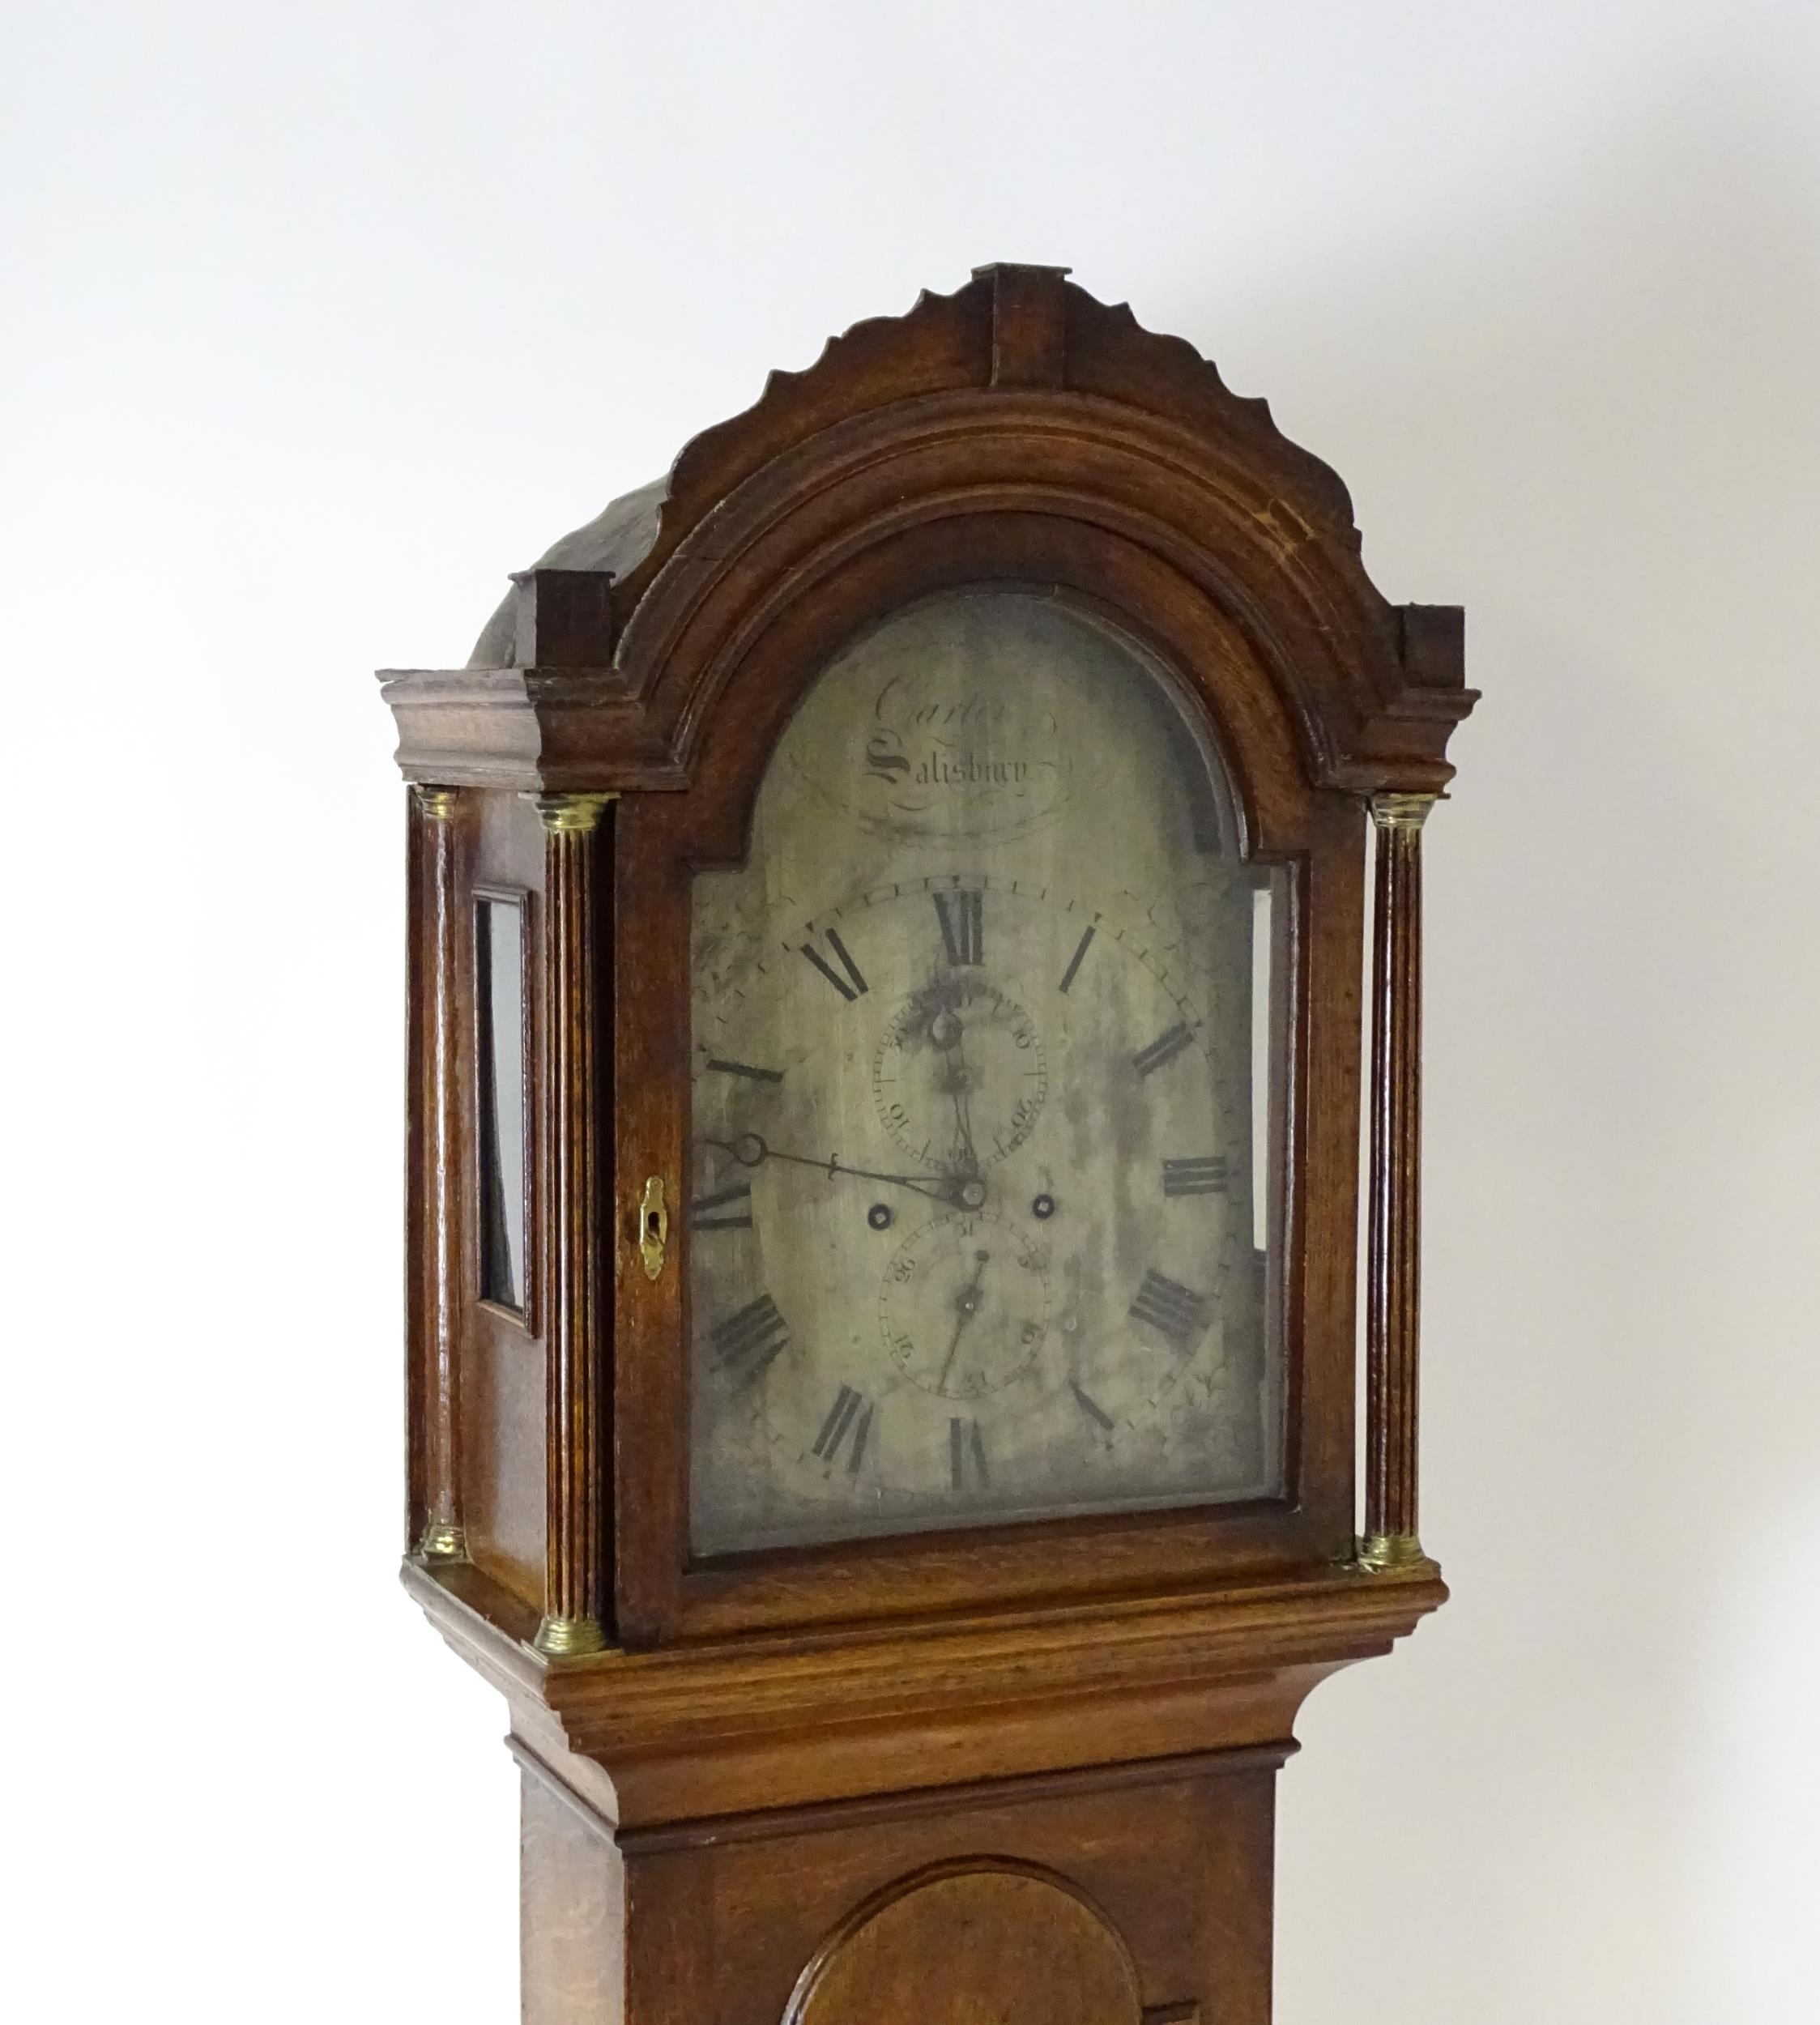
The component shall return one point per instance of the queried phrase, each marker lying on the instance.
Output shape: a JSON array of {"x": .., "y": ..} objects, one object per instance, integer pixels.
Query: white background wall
[{"x": 320, "y": 319}]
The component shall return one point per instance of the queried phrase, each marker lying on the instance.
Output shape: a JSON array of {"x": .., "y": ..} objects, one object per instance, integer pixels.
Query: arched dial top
[{"x": 982, "y": 1110}]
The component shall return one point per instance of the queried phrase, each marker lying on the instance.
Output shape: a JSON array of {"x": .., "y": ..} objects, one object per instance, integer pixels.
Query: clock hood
[{"x": 615, "y": 542}]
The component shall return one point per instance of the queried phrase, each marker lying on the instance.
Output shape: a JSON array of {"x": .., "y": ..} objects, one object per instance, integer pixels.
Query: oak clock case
[{"x": 888, "y": 905}]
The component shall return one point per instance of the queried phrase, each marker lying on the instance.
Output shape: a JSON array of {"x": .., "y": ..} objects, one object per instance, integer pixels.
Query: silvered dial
[{"x": 972, "y": 1234}]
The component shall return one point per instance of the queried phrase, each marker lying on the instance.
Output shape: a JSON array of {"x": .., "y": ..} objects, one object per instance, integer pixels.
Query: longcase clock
[{"x": 886, "y": 1047}]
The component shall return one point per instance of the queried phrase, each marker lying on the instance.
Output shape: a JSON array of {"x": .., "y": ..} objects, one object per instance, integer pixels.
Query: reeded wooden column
[
  {"x": 572, "y": 1249},
  {"x": 1393, "y": 1297},
  {"x": 437, "y": 1243}
]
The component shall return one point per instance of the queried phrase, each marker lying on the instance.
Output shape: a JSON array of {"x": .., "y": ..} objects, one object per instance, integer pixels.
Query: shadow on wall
[{"x": 1589, "y": 413}]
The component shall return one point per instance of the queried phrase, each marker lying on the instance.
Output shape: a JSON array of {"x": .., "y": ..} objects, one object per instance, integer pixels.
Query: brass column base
[
  {"x": 1394, "y": 1554},
  {"x": 566, "y": 1637},
  {"x": 443, "y": 1542}
]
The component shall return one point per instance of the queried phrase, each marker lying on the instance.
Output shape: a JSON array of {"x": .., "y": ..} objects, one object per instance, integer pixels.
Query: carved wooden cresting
[{"x": 989, "y": 1766}]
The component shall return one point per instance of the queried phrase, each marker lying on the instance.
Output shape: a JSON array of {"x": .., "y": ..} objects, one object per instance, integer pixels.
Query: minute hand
[{"x": 750, "y": 1151}]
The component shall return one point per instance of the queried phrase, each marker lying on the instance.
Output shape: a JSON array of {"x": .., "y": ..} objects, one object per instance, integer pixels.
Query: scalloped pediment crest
[
  {"x": 1016, "y": 348},
  {"x": 941, "y": 344}
]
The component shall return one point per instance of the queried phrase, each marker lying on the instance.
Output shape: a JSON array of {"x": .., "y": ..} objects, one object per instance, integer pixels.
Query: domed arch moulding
[
  {"x": 963, "y": 1937},
  {"x": 1019, "y": 397}
]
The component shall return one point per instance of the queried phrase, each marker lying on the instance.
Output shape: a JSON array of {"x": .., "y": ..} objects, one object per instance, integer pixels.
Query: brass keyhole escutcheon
[{"x": 654, "y": 1227}]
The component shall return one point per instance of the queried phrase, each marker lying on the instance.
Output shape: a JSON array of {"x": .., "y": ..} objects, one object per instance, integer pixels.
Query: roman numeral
[
  {"x": 1165, "y": 1048},
  {"x": 845, "y": 1418},
  {"x": 1091, "y": 1406},
  {"x": 1206, "y": 1174},
  {"x": 966, "y": 1455},
  {"x": 745, "y": 1069},
  {"x": 1074, "y": 961},
  {"x": 749, "y": 1338},
  {"x": 1166, "y": 1305},
  {"x": 701, "y": 1210},
  {"x": 851, "y": 987},
  {"x": 962, "y": 916}
]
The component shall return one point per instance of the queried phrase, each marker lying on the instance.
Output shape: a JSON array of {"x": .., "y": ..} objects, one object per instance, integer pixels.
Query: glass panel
[
  {"x": 499, "y": 946},
  {"x": 1262, "y": 1138},
  {"x": 982, "y": 1104}
]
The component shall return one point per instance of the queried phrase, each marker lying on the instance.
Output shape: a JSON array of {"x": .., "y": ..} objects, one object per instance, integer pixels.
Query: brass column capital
[
  {"x": 1397, "y": 809},
  {"x": 436, "y": 803},
  {"x": 570, "y": 815}
]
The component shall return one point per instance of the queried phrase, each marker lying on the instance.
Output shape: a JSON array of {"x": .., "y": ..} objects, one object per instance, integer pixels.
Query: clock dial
[{"x": 979, "y": 1116}]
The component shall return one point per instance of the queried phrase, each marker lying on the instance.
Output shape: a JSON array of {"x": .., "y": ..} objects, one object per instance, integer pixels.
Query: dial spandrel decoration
[{"x": 982, "y": 1116}]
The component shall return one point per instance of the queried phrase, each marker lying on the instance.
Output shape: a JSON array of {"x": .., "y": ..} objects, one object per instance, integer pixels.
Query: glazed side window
[{"x": 499, "y": 938}]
